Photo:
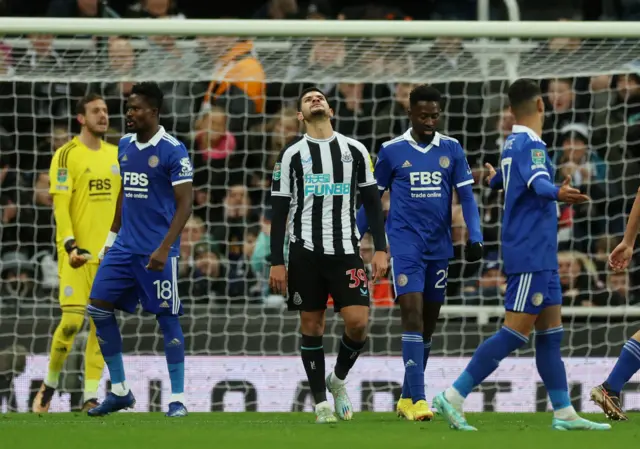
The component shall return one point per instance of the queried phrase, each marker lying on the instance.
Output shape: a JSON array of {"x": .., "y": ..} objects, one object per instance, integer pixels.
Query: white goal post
[{"x": 587, "y": 71}]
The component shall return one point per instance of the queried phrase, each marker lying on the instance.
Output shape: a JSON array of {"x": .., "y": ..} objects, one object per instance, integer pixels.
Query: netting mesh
[{"x": 232, "y": 102}]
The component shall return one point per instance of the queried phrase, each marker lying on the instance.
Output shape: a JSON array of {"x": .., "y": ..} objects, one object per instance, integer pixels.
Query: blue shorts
[
  {"x": 417, "y": 274},
  {"x": 124, "y": 281},
  {"x": 532, "y": 292}
]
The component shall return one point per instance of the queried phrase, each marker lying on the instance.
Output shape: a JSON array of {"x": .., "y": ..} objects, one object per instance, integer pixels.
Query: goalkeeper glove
[
  {"x": 473, "y": 251},
  {"x": 77, "y": 256}
]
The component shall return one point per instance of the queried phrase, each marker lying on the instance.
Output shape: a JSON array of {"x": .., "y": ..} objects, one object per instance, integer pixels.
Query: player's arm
[
  {"x": 280, "y": 201},
  {"x": 61, "y": 190},
  {"x": 181, "y": 174},
  {"x": 383, "y": 176},
  {"x": 369, "y": 192},
  {"x": 463, "y": 181},
  {"x": 620, "y": 257}
]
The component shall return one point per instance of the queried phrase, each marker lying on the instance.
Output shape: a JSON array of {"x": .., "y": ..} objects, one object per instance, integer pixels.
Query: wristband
[
  {"x": 110, "y": 239},
  {"x": 70, "y": 245}
]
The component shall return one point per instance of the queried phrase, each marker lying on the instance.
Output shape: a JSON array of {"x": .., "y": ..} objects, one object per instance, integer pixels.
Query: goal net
[{"x": 231, "y": 100}]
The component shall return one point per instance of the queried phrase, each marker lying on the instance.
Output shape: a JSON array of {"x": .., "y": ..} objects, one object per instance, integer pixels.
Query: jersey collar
[
  {"x": 434, "y": 142},
  {"x": 517, "y": 129},
  {"x": 154, "y": 141}
]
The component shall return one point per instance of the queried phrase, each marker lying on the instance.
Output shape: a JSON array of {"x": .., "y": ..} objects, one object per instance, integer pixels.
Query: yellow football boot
[
  {"x": 404, "y": 409},
  {"x": 421, "y": 411}
]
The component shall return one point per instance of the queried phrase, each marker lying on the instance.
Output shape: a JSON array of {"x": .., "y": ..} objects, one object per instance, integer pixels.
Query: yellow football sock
[
  {"x": 70, "y": 325},
  {"x": 93, "y": 365}
]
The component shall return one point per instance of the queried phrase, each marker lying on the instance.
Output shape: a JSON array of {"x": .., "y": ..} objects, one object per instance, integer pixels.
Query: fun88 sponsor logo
[{"x": 321, "y": 185}]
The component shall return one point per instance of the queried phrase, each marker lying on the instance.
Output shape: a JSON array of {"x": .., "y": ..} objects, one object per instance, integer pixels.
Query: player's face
[
  {"x": 424, "y": 117},
  {"x": 314, "y": 106},
  {"x": 95, "y": 117},
  {"x": 140, "y": 115}
]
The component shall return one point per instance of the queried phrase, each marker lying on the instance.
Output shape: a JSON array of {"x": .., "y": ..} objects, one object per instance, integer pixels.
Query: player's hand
[
  {"x": 78, "y": 257},
  {"x": 570, "y": 195},
  {"x": 278, "y": 279},
  {"x": 492, "y": 173},
  {"x": 379, "y": 265},
  {"x": 473, "y": 251},
  {"x": 620, "y": 257},
  {"x": 158, "y": 259}
]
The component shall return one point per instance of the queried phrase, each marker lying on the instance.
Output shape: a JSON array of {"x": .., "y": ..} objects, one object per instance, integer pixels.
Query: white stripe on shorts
[
  {"x": 174, "y": 280},
  {"x": 523, "y": 292}
]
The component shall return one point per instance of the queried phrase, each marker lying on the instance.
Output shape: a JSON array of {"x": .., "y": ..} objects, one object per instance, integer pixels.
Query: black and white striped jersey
[{"x": 321, "y": 178}]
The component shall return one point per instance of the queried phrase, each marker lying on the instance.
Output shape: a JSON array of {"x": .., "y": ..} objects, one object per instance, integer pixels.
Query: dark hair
[
  {"x": 426, "y": 93},
  {"x": 305, "y": 92},
  {"x": 81, "y": 105},
  {"x": 151, "y": 92},
  {"x": 522, "y": 93}
]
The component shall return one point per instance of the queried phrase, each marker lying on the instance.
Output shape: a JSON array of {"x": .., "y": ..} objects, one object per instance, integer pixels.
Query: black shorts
[{"x": 313, "y": 277}]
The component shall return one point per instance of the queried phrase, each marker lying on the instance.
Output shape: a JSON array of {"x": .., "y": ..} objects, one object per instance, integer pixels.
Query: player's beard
[
  {"x": 96, "y": 133},
  {"x": 317, "y": 115}
]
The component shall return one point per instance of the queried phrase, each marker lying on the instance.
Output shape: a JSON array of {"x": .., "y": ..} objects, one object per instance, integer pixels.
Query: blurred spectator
[
  {"x": 203, "y": 281},
  {"x": 261, "y": 256},
  {"x": 213, "y": 141},
  {"x": 278, "y": 10},
  {"x": 18, "y": 289},
  {"x": 353, "y": 112},
  {"x": 74, "y": 8},
  {"x": 489, "y": 290},
  {"x": 232, "y": 220},
  {"x": 242, "y": 283},
  {"x": 561, "y": 111},
  {"x": 43, "y": 222},
  {"x": 392, "y": 119},
  {"x": 618, "y": 285},
  {"x": 319, "y": 10},
  {"x": 154, "y": 9},
  {"x": 579, "y": 282}
]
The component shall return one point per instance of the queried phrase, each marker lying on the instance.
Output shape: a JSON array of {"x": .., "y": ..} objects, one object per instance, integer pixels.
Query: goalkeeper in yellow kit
[{"x": 85, "y": 182}]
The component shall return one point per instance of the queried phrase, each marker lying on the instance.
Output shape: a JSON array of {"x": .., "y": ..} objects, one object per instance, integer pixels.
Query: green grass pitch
[{"x": 297, "y": 430}]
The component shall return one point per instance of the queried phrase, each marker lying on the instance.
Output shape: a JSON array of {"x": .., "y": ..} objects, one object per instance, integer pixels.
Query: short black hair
[
  {"x": 522, "y": 92},
  {"x": 426, "y": 93},
  {"x": 305, "y": 92},
  {"x": 151, "y": 92},
  {"x": 81, "y": 105}
]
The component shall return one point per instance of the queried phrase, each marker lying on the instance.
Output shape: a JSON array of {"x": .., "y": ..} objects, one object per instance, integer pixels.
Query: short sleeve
[
  {"x": 281, "y": 177},
  {"x": 181, "y": 170},
  {"x": 462, "y": 175},
  {"x": 531, "y": 162},
  {"x": 59, "y": 174},
  {"x": 383, "y": 171},
  {"x": 365, "y": 169}
]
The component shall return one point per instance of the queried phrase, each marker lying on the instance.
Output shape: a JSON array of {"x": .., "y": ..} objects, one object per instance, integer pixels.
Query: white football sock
[
  {"x": 566, "y": 414},
  {"x": 177, "y": 397},
  {"x": 454, "y": 397},
  {"x": 323, "y": 404},
  {"x": 120, "y": 389},
  {"x": 335, "y": 380}
]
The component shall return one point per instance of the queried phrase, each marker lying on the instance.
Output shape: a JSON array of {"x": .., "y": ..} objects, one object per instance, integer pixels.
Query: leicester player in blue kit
[
  {"x": 141, "y": 253},
  {"x": 421, "y": 168},
  {"x": 529, "y": 249}
]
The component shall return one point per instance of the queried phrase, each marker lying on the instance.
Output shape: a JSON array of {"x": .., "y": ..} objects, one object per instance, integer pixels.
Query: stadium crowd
[{"x": 236, "y": 123}]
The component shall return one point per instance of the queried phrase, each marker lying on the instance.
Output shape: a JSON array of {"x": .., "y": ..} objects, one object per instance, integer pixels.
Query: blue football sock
[
  {"x": 427, "y": 350},
  {"x": 173, "y": 350},
  {"x": 627, "y": 365},
  {"x": 551, "y": 367},
  {"x": 487, "y": 358},
  {"x": 412, "y": 355},
  {"x": 110, "y": 342}
]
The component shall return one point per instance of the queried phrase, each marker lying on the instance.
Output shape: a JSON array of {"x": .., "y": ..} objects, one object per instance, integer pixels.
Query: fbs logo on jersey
[
  {"x": 63, "y": 174},
  {"x": 320, "y": 185}
]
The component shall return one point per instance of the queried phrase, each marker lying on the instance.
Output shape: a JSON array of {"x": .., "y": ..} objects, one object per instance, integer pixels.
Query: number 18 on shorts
[{"x": 124, "y": 281}]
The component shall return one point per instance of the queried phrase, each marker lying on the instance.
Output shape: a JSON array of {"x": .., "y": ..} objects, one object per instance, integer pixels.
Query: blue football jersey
[
  {"x": 149, "y": 172},
  {"x": 530, "y": 223},
  {"x": 421, "y": 183}
]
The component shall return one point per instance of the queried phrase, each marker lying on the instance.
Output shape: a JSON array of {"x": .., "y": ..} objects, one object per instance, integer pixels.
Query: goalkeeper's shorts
[
  {"x": 75, "y": 283},
  {"x": 415, "y": 274},
  {"x": 124, "y": 281},
  {"x": 532, "y": 292}
]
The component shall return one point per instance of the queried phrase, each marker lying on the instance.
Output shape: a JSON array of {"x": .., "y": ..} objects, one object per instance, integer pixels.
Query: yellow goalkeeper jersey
[{"x": 90, "y": 179}]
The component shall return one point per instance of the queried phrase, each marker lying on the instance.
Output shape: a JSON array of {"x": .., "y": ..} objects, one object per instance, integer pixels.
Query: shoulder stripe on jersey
[
  {"x": 64, "y": 154},
  {"x": 394, "y": 140},
  {"x": 172, "y": 141},
  {"x": 443, "y": 137},
  {"x": 170, "y": 138}
]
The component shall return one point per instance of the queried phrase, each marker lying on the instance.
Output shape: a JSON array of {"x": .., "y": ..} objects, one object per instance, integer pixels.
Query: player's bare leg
[
  {"x": 312, "y": 353},
  {"x": 356, "y": 320},
  {"x": 549, "y": 332},
  {"x": 411, "y": 307},
  {"x": 607, "y": 395}
]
